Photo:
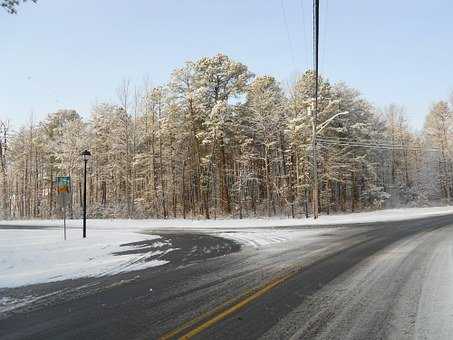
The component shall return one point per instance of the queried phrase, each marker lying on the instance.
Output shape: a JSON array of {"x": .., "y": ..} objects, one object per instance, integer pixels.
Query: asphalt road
[{"x": 373, "y": 281}]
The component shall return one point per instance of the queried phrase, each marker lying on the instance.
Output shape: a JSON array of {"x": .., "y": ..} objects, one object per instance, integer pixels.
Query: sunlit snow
[{"x": 37, "y": 256}]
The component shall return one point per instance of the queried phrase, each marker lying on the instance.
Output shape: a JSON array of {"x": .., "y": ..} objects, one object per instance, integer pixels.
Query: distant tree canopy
[
  {"x": 11, "y": 5},
  {"x": 217, "y": 140}
]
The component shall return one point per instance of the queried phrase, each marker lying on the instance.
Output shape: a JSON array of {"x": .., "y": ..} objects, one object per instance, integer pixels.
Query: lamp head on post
[{"x": 86, "y": 155}]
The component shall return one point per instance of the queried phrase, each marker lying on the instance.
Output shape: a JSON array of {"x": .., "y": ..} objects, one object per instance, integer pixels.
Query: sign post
[{"x": 64, "y": 188}]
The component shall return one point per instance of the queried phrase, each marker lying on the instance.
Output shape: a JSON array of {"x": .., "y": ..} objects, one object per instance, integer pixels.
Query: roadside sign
[
  {"x": 63, "y": 189},
  {"x": 64, "y": 184}
]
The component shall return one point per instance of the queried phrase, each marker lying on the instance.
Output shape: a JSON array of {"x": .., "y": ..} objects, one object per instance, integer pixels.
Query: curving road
[{"x": 373, "y": 281}]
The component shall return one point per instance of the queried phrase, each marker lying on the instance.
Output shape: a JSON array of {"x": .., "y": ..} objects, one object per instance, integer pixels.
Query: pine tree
[{"x": 217, "y": 141}]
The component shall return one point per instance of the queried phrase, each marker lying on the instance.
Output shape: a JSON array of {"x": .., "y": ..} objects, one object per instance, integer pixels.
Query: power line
[
  {"x": 377, "y": 146},
  {"x": 325, "y": 36},
  {"x": 356, "y": 139},
  {"x": 290, "y": 43},
  {"x": 304, "y": 32},
  {"x": 382, "y": 147},
  {"x": 360, "y": 141}
]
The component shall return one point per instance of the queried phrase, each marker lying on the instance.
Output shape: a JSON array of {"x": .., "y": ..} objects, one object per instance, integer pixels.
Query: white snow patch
[
  {"x": 153, "y": 224},
  {"x": 264, "y": 237},
  {"x": 435, "y": 310},
  {"x": 8, "y": 303},
  {"x": 37, "y": 256}
]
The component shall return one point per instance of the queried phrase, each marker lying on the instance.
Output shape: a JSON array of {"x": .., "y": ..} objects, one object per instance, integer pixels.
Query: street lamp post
[{"x": 86, "y": 157}]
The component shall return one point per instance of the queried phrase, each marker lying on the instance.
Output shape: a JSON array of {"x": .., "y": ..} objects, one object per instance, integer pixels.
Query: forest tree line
[{"x": 218, "y": 141}]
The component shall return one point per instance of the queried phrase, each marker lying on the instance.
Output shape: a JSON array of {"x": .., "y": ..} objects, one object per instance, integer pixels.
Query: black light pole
[{"x": 86, "y": 156}]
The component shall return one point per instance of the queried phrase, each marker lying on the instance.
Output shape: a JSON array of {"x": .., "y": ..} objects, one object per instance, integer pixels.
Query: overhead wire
[
  {"x": 357, "y": 140},
  {"x": 290, "y": 43},
  {"x": 378, "y": 145},
  {"x": 304, "y": 33},
  {"x": 324, "y": 37},
  {"x": 349, "y": 139}
]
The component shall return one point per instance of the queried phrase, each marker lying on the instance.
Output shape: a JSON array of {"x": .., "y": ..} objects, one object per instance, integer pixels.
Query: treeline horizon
[{"x": 219, "y": 141}]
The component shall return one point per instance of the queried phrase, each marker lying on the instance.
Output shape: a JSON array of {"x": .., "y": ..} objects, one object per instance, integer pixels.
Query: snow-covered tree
[
  {"x": 218, "y": 141},
  {"x": 11, "y": 5},
  {"x": 439, "y": 134}
]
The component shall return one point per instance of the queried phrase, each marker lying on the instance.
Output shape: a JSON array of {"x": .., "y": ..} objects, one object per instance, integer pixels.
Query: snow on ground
[
  {"x": 256, "y": 232},
  {"x": 30, "y": 256},
  {"x": 156, "y": 224},
  {"x": 35, "y": 256},
  {"x": 435, "y": 307},
  {"x": 264, "y": 237}
]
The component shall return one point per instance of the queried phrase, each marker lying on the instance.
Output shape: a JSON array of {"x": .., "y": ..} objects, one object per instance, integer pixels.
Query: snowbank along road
[{"x": 385, "y": 280}]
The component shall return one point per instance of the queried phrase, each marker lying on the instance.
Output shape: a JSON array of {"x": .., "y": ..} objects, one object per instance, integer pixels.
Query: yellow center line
[
  {"x": 222, "y": 313},
  {"x": 231, "y": 306},
  {"x": 198, "y": 319}
]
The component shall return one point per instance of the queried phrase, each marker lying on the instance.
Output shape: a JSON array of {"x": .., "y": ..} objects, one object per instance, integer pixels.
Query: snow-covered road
[
  {"x": 388, "y": 280},
  {"x": 401, "y": 292},
  {"x": 29, "y": 256}
]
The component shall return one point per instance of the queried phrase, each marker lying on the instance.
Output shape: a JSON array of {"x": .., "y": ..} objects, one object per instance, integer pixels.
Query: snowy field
[
  {"x": 157, "y": 224},
  {"x": 37, "y": 256},
  {"x": 30, "y": 256}
]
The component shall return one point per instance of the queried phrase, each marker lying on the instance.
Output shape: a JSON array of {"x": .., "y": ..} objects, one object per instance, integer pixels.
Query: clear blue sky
[{"x": 72, "y": 53}]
